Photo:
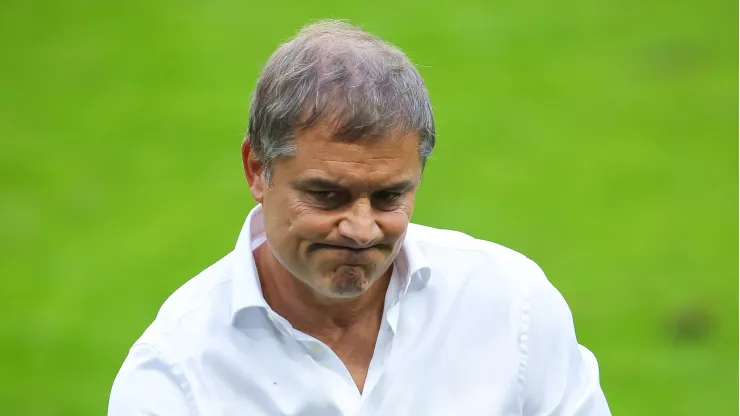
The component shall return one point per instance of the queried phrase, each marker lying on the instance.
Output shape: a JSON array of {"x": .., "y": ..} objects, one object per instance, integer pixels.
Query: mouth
[
  {"x": 337, "y": 254},
  {"x": 322, "y": 246}
]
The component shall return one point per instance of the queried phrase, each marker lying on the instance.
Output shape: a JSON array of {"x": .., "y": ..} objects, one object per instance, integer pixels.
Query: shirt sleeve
[
  {"x": 560, "y": 376},
  {"x": 147, "y": 385}
]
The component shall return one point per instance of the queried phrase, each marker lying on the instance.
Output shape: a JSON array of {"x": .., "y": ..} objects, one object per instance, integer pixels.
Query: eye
[
  {"x": 388, "y": 196},
  {"x": 386, "y": 199},
  {"x": 324, "y": 194},
  {"x": 327, "y": 199}
]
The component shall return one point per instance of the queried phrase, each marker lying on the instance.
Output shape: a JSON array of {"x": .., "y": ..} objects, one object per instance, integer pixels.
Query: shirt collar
[
  {"x": 247, "y": 291},
  {"x": 410, "y": 263}
]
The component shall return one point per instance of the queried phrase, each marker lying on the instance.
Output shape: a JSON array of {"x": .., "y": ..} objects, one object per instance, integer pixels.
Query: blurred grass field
[{"x": 598, "y": 138}]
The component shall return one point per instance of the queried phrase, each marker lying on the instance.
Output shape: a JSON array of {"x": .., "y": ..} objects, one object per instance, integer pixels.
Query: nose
[{"x": 360, "y": 226}]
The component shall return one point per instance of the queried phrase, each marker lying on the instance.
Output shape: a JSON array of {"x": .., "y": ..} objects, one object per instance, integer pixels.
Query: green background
[{"x": 597, "y": 137}]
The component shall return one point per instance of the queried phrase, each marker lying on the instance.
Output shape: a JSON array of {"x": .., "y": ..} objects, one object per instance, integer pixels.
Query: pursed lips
[
  {"x": 319, "y": 246},
  {"x": 349, "y": 255}
]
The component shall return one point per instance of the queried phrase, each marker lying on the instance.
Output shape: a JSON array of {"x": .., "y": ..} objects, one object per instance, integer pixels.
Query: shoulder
[
  {"x": 197, "y": 307},
  {"x": 455, "y": 252},
  {"x": 451, "y": 241},
  {"x": 491, "y": 273},
  {"x": 492, "y": 277},
  {"x": 153, "y": 368}
]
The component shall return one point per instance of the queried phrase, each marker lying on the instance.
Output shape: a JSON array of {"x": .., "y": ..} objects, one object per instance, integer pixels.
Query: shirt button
[{"x": 316, "y": 349}]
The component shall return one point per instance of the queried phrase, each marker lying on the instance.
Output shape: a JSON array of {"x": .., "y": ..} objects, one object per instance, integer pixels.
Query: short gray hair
[{"x": 335, "y": 72}]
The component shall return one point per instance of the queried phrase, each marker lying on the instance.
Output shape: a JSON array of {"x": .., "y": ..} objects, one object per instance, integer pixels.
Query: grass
[{"x": 598, "y": 138}]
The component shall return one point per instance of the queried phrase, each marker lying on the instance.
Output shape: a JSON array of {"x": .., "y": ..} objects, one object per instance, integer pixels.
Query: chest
[
  {"x": 435, "y": 369},
  {"x": 357, "y": 356}
]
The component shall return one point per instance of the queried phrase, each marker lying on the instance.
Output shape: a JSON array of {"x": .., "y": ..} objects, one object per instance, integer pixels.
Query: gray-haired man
[{"x": 332, "y": 303}]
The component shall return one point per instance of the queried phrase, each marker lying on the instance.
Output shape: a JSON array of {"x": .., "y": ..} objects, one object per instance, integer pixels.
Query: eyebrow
[{"x": 321, "y": 183}]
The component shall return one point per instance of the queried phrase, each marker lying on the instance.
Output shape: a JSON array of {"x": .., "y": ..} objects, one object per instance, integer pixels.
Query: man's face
[{"x": 336, "y": 213}]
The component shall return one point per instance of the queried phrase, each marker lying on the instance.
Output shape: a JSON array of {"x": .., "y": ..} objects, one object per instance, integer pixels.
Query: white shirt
[{"x": 469, "y": 328}]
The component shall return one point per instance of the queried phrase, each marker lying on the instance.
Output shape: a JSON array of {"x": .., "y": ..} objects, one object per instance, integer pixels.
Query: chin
[{"x": 349, "y": 281}]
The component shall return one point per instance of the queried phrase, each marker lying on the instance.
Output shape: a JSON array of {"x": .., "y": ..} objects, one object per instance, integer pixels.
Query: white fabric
[{"x": 469, "y": 328}]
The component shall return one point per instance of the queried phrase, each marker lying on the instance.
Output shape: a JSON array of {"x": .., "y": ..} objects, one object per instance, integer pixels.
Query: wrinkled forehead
[{"x": 370, "y": 161}]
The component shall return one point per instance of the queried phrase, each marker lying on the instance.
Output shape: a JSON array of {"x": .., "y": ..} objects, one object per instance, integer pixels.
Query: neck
[{"x": 314, "y": 314}]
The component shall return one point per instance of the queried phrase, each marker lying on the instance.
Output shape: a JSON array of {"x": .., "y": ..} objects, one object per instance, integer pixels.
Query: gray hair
[{"x": 334, "y": 72}]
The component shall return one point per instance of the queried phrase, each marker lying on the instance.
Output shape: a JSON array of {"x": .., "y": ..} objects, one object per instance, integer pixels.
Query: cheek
[
  {"x": 394, "y": 223},
  {"x": 308, "y": 223},
  {"x": 280, "y": 215}
]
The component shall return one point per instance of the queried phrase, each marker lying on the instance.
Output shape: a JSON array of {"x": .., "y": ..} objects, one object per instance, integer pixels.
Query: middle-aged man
[{"x": 332, "y": 303}]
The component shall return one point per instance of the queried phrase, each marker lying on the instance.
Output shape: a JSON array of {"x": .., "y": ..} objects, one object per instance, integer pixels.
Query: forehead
[{"x": 369, "y": 160}]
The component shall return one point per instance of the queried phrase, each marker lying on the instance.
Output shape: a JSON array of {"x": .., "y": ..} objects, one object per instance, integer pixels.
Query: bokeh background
[{"x": 600, "y": 138}]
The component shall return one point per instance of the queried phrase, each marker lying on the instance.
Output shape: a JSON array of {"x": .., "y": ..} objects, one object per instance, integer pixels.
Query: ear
[{"x": 253, "y": 172}]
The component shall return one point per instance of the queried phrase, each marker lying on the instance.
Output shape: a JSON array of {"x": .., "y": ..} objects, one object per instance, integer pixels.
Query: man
[{"x": 332, "y": 303}]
